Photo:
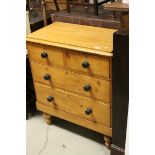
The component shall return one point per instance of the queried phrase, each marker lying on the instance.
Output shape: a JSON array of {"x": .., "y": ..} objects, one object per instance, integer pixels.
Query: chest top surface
[{"x": 73, "y": 36}]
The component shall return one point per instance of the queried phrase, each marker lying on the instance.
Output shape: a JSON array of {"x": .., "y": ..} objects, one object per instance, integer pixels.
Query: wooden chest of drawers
[{"x": 72, "y": 73}]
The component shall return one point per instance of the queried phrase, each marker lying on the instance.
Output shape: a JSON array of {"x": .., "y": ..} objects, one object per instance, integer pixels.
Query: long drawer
[
  {"x": 74, "y": 119},
  {"x": 74, "y": 104},
  {"x": 52, "y": 56},
  {"x": 92, "y": 87},
  {"x": 86, "y": 63}
]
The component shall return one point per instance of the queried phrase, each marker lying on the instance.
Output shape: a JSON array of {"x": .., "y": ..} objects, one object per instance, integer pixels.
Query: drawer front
[
  {"x": 90, "y": 64},
  {"x": 95, "y": 111},
  {"x": 74, "y": 119},
  {"x": 82, "y": 84},
  {"x": 46, "y": 55}
]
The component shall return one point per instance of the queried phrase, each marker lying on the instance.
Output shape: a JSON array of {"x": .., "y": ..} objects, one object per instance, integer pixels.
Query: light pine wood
[
  {"x": 99, "y": 66},
  {"x": 55, "y": 55},
  {"x": 69, "y": 59},
  {"x": 47, "y": 118},
  {"x": 107, "y": 140},
  {"x": 67, "y": 80},
  {"x": 73, "y": 36},
  {"x": 71, "y": 47},
  {"x": 67, "y": 47},
  {"x": 74, "y": 104},
  {"x": 74, "y": 119}
]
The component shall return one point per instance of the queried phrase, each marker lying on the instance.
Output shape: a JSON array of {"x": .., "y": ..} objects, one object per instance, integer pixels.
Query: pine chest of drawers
[{"x": 72, "y": 74}]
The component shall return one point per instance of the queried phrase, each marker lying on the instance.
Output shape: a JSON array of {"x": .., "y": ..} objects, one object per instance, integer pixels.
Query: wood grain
[
  {"x": 75, "y": 36},
  {"x": 47, "y": 118},
  {"x": 71, "y": 81},
  {"x": 99, "y": 66},
  {"x": 66, "y": 47},
  {"x": 55, "y": 55},
  {"x": 69, "y": 59},
  {"x": 74, "y": 119},
  {"x": 74, "y": 104}
]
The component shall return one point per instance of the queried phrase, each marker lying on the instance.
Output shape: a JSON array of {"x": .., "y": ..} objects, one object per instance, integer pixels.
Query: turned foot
[
  {"x": 107, "y": 140},
  {"x": 47, "y": 118}
]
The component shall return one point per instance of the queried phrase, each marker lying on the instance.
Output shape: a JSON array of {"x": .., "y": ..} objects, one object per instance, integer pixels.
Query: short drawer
[
  {"x": 52, "y": 56},
  {"x": 92, "y": 87},
  {"x": 90, "y": 64},
  {"x": 95, "y": 111}
]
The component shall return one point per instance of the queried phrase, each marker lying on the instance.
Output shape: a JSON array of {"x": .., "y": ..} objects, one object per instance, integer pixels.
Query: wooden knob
[
  {"x": 44, "y": 55},
  {"x": 50, "y": 98},
  {"x": 87, "y": 87},
  {"x": 47, "y": 77},
  {"x": 85, "y": 64},
  {"x": 88, "y": 111}
]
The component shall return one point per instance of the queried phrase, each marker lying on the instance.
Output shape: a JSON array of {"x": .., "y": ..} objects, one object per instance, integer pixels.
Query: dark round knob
[
  {"x": 87, "y": 87},
  {"x": 44, "y": 55},
  {"x": 88, "y": 111},
  {"x": 50, "y": 98},
  {"x": 85, "y": 64},
  {"x": 47, "y": 77}
]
